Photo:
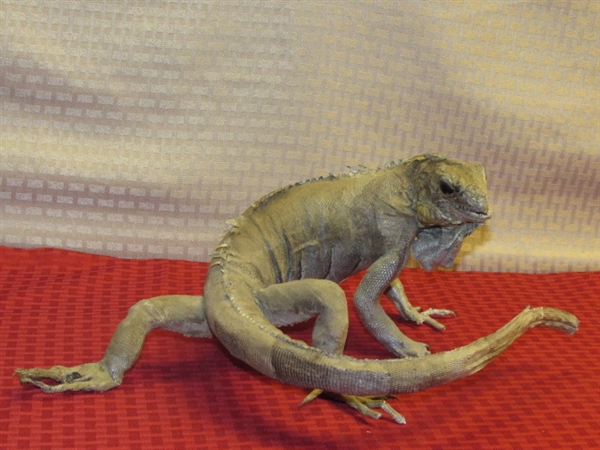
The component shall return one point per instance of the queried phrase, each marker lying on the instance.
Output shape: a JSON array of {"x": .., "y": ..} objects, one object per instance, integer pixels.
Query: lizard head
[{"x": 448, "y": 192}]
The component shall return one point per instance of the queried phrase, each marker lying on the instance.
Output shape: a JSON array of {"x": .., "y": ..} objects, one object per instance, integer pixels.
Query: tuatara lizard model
[{"x": 281, "y": 263}]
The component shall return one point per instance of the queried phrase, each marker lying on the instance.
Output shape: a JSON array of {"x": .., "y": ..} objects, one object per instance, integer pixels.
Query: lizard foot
[
  {"x": 412, "y": 313},
  {"x": 363, "y": 405},
  {"x": 86, "y": 377},
  {"x": 416, "y": 315}
]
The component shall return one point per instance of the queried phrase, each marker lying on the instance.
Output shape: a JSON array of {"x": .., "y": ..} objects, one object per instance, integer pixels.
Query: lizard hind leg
[
  {"x": 296, "y": 301},
  {"x": 179, "y": 313}
]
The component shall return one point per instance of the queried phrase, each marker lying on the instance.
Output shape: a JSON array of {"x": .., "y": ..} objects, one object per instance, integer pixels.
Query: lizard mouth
[
  {"x": 447, "y": 213},
  {"x": 470, "y": 213},
  {"x": 476, "y": 216}
]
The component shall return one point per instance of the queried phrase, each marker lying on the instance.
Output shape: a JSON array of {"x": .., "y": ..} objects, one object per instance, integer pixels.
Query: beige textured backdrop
[{"x": 135, "y": 129}]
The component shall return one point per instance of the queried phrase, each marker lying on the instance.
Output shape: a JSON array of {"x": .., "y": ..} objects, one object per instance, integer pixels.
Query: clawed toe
[
  {"x": 363, "y": 405},
  {"x": 420, "y": 317},
  {"x": 37, "y": 376},
  {"x": 310, "y": 397}
]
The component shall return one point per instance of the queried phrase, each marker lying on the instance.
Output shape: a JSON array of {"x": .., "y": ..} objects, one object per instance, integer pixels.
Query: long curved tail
[{"x": 308, "y": 367}]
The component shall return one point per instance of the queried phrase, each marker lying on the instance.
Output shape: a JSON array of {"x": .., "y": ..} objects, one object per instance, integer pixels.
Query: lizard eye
[{"x": 446, "y": 188}]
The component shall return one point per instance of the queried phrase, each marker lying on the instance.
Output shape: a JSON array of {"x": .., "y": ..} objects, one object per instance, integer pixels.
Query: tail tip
[{"x": 554, "y": 318}]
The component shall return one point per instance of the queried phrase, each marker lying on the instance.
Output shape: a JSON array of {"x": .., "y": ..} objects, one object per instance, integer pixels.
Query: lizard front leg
[
  {"x": 376, "y": 281},
  {"x": 180, "y": 313},
  {"x": 411, "y": 313}
]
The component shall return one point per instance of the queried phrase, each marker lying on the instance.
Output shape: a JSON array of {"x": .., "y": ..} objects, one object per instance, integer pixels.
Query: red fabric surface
[{"x": 61, "y": 307}]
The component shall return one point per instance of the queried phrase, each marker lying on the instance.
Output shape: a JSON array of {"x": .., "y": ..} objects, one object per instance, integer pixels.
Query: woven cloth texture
[
  {"x": 61, "y": 307},
  {"x": 136, "y": 128}
]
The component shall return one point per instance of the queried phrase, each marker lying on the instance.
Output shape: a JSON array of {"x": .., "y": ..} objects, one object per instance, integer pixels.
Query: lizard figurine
[{"x": 280, "y": 264}]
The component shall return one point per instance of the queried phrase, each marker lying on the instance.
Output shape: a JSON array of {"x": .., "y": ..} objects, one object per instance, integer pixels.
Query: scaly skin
[{"x": 281, "y": 263}]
